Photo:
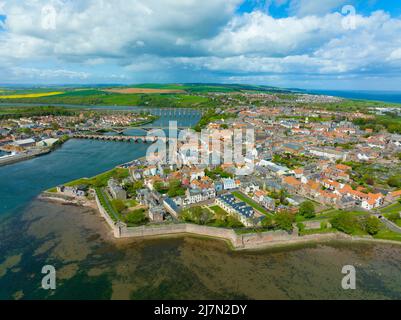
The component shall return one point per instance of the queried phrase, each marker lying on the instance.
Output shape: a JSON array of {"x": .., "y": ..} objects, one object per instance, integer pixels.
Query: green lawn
[
  {"x": 131, "y": 203},
  {"x": 218, "y": 210},
  {"x": 250, "y": 202},
  {"x": 331, "y": 213},
  {"x": 387, "y": 234},
  {"x": 101, "y": 179},
  {"x": 395, "y": 207},
  {"x": 105, "y": 202}
]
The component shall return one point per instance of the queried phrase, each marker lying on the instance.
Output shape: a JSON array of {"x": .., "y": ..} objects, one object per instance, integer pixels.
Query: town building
[{"x": 116, "y": 191}]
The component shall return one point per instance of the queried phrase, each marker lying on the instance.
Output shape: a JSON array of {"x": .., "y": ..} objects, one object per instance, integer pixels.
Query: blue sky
[
  {"x": 315, "y": 44},
  {"x": 280, "y": 9}
]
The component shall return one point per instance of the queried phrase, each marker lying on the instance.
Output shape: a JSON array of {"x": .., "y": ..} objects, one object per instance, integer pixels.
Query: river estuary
[{"x": 92, "y": 265}]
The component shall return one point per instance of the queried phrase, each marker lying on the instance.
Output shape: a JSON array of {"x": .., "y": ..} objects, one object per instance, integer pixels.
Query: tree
[
  {"x": 233, "y": 222},
  {"x": 197, "y": 215},
  {"x": 372, "y": 225},
  {"x": 267, "y": 222},
  {"x": 121, "y": 174},
  {"x": 394, "y": 181},
  {"x": 136, "y": 217},
  {"x": 132, "y": 188},
  {"x": 307, "y": 210},
  {"x": 160, "y": 187},
  {"x": 55, "y": 126},
  {"x": 202, "y": 216},
  {"x": 285, "y": 220},
  {"x": 301, "y": 227},
  {"x": 175, "y": 189},
  {"x": 283, "y": 197},
  {"x": 344, "y": 222},
  {"x": 118, "y": 205}
]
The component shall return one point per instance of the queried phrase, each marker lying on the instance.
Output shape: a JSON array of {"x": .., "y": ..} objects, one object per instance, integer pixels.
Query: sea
[{"x": 91, "y": 264}]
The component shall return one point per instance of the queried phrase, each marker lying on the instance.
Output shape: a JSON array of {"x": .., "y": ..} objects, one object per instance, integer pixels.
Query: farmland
[
  {"x": 103, "y": 98},
  {"x": 142, "y": 90},
  {"x": 30, "y": 95}
]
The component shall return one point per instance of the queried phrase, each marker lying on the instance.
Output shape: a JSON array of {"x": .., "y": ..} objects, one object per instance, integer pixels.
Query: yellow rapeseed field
[{"x": 30, "y": 95}]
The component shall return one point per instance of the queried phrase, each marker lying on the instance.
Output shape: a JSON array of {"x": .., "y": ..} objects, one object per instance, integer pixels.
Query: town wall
[{"x": 238, "y": 241}]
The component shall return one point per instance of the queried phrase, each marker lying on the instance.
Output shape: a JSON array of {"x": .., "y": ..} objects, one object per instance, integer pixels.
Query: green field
[
  {"x": 218, "y": 210},
  {"x": 331, "y": 213},
  {"x": 387, "y": 234},
  {"x": 393, "y": 208},
  {"x": 97, "y": 97},
  {"x": 250, "y": 202},
  {"x": 101, "y": 179}
]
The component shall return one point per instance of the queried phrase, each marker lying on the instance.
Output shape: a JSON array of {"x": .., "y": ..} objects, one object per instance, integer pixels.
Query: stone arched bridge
[{"x": 135, "y": 139}]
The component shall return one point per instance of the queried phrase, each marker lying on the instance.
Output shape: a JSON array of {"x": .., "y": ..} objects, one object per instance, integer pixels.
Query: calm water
[
  {"x": 21, "y": 182},
  {"x": 386, "y": 96},
  {"x": 92, "y": 265}
]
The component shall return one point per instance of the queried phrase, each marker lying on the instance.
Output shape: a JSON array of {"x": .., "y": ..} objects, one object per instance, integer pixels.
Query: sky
[{"x": 310, "y": 44}]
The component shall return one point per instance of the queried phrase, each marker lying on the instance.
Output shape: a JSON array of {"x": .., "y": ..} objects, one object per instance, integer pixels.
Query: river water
[{"x": 91, "y": 264}]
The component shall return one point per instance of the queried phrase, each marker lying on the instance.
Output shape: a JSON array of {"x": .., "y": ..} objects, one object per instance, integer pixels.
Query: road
[{"x": 389, "y": 224}]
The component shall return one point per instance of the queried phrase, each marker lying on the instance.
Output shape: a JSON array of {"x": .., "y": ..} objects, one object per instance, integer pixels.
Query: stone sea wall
[
  {"x": 115, "y": 228},
  {"x": 237, "y": 241}
]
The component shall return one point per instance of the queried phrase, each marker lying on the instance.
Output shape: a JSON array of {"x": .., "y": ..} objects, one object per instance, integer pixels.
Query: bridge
[
  {"x": 120, "y": 130},
  {"x": 135, "y": 139},
  {"x": 183, "y": 112}
]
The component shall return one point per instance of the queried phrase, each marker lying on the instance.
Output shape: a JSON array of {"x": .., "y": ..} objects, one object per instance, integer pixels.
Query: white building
[
  {"x": 229, "y": 184},
  {"x": 328, "y": 154},
  {"x": 46, "y": 142}
]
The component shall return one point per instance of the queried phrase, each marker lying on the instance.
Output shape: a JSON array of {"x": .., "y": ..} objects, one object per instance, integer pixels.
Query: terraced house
[{"x": 240, "y": 210}]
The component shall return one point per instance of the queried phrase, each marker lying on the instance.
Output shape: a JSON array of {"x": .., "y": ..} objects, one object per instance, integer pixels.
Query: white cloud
[
  {"x": 34, "y": 73},
  {"x": 175, "y": 38},
  {"x": 395, "y": 55}
]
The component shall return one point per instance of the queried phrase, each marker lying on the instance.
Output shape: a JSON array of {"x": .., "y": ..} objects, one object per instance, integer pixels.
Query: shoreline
[
  {"x": 22, "y": 157},
  {"x": 7, "y": 160},
  {"x": 203, "y": 232}
]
